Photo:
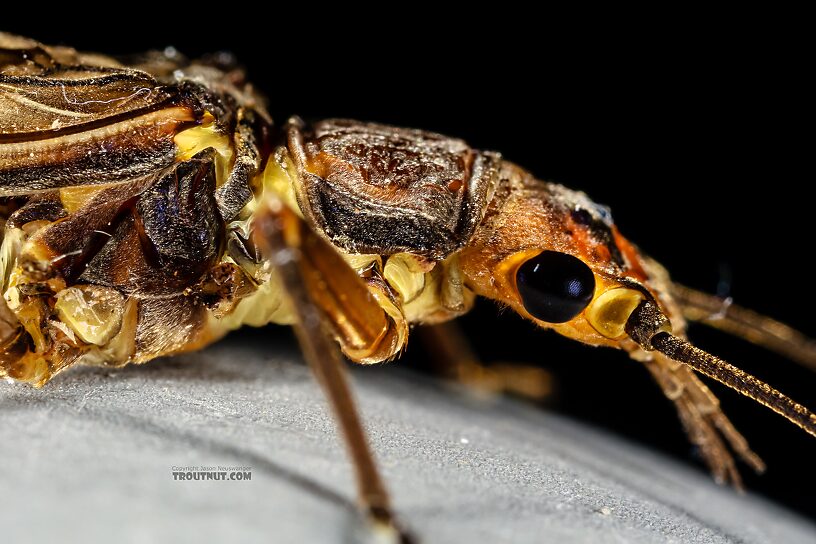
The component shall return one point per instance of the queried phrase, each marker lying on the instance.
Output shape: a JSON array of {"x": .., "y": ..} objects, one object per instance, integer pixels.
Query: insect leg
[
  {"x": 454, "y": 359},
  {"x": 703, "y": 420},
  {"x": 746, "y": 324},
  {"x": 286, "y": 239}
]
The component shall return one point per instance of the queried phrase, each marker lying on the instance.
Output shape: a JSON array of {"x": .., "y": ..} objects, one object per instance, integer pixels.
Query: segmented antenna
[
  {"x": 648, "y": 327},
  {"x": 746, "y": 324},
  {"x": 679, "y": 350}
]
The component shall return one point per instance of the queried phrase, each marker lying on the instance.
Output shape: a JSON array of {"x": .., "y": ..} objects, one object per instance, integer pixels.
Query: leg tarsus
[
  {"x": 454, "y": 359},
  {"x": 381, "y": 528}
]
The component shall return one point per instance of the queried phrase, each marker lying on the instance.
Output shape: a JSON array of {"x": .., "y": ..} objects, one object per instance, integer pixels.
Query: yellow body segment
[
  {"x": 427, "y": 291},
  {"x": 94, "y": 313}
]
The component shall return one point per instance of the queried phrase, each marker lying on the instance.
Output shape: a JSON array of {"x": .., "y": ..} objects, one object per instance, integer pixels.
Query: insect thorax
[{"x": 419, "y": 288}]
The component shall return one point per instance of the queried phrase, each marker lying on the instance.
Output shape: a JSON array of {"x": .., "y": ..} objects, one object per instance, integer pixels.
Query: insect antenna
[
  {"x": 746, "y": 324},
  {"x": 649, "y": 328}
]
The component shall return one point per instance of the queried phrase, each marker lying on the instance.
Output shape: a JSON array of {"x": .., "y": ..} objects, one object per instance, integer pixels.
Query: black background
[{"x": 697, "y": 135}]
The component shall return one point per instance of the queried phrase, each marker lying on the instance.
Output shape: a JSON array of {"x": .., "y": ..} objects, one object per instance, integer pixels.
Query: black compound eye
[{"x": 555, "y": 287}]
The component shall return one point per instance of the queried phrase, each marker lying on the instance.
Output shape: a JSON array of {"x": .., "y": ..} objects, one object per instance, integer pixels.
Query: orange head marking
[{"x": 555, "y": 257}]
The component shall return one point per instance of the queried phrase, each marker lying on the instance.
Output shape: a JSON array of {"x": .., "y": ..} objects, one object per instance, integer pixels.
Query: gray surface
[{"x": 88, "y": 459}]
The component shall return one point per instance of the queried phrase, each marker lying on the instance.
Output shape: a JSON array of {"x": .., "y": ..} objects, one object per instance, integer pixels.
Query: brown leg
[
  {"x": 282, "y": 235},
  {"x": 454, "y": 359},
  {"x": 703, "y": 420}
]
